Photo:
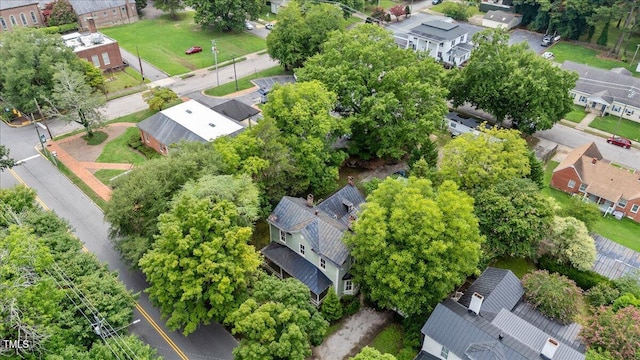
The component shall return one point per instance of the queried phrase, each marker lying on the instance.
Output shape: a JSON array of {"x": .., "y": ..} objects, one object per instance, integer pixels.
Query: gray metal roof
[
  {"x": 322, "y": 225},
  {"x": 501, "y": 290},
  {"x": 491, "y": 350},
  {"x": 423, "y": 355},
  {"x": 438, "y": 30},
  {"x": 10, "y": 4},
  {"x": 167, "y": 131},
  {"x": 567, "y": 334},
  {"x": 88, "y": 6},
  {"x": 297, "y": 267},
  {"x": 499, "y": 16},
  {"x": 622, "y": 87},
  {"x": 614, "y": 260},
  {"x": 235, "y": 110}
]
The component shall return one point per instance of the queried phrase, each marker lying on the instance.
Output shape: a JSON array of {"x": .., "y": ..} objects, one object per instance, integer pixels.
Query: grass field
[
  {"x": 105, "y": 175},
  {"x": 564, "y": 51},
  {"x": 576, "y": 115},
  {"x": 389, "y": 340},
  {"x": 609, "y": 123},
  {"x": 167, "y": 51},
  {"x": 442, "y": 7},
  {"x": 243, "y": 83},
  {"x": 118, "y": 150},
  {"x": 519, "y": 266}
]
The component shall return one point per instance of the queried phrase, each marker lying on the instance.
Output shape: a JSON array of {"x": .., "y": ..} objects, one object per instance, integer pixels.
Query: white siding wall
[{"x": 434, "y": 348}]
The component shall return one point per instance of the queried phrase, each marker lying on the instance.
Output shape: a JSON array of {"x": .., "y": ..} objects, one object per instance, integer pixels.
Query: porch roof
[{"x": 297, "y": 266}]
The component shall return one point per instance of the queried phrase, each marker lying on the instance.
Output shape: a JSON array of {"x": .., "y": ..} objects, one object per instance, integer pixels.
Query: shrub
[
  {"x": 350, "y": 304},
  {"x": 626, "y": 300},
  {"x": 602, "y": 294},
  {"x": 553, "y": 295},
  {"x": 585, "y": 211},
  {"x": 618, "y": 333},
  {"x": 585, "y": 279},
  {"x": 331, "y": 308},
  {"x": 457, "y": 11},
  {"x": 629, "y": 283}
]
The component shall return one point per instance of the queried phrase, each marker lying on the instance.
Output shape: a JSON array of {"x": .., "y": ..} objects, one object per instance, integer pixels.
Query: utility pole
[
  {"x": 214, "y": 50},
  {"x": 634, "y": 54},
  {"x": 140, "y": 63},
  {"x": 43, "y": 118},
  {"x": 234, "y": 70}
]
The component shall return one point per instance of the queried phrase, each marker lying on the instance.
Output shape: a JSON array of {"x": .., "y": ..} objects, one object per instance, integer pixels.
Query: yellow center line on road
[{"x": 138, "y": 306}]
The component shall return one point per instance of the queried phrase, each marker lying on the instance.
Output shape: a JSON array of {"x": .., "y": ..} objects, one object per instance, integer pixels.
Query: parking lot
[{"x": 533, "y": 39}]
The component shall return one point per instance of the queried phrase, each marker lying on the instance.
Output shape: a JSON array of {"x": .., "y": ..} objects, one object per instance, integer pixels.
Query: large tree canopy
[
  {"x": 201, "y": 264},
  {"x": 412, "y": 244},
  {"x": 479, "y": 161},
  {"x": 29, "y": 60},
  {"x": 570, "y": 243},
  {"x": 514, "y": 216},
  {"x": 511, "y": 81},
  {"x": 395, "y": 97},
  {"x": 300, "y": 33},
  {"x": 224, "y": 15}
]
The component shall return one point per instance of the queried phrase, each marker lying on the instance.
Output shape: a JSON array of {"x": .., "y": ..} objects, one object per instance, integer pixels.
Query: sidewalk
[{"x": 586, "y": 121}]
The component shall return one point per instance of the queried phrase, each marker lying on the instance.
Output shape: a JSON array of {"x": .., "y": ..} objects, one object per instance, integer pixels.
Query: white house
[
  {"x": 444, "y": 41},
  {"x": 501, "y": 19}
]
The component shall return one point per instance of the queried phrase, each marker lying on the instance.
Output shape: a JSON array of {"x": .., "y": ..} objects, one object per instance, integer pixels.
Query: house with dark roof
[
  {"x": 189, "y": 121},
  {"x": 498, "y": 19},
  {"x": 306, "y": 241},
  {"x": 491, "y": 321},
  {"x": 237, "y": 111},
  {"x": 615, "y": 92},
  {"x": 447, "y": 42},
  {"x": 585, "y": 173}
]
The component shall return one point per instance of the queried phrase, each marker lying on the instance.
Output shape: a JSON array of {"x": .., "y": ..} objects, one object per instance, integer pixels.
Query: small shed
[{"x": 501, "y": 19}]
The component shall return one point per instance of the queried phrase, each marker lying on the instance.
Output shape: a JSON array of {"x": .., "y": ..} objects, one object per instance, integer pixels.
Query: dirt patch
[{"x": 77, "y": 147}]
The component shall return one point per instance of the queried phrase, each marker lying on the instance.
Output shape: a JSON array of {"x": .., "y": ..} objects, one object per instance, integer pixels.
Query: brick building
[
  {"x": 19, "y": 13},
  {"x": 105, "y": 13},
  {"x": 96, "y": 48},
  {"x": 585, "y": 173}
]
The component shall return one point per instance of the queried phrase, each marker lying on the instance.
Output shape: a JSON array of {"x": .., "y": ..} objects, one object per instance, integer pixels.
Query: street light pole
[
  {"x": 214, "y": 49},
  {"x": 234, "y": 70},
  {"x": 140, "y": 63}
]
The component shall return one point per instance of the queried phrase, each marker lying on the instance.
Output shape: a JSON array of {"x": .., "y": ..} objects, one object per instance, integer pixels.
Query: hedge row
[
  {"x": 585, "y": 279},
  {"x": 61, "y": 29}
]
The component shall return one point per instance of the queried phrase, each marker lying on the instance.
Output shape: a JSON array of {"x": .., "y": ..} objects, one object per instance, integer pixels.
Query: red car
[
  {"x": 193, "y": 50},
  {"x": 619, "y": 141}
]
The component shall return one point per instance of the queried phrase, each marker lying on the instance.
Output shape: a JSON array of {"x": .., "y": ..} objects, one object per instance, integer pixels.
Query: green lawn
[
  {"x": 352, "y": 20},
  {"x": 118, "y": 150},
  {"x": 244, "y": 83},
  {"x": 609, "y": 123},
  {"x": 519, "y": 266},
  {"x": 442, "y": 7},
  {"x": 163, "y": 42},
  {"x": 105, "y": 175},
  {"x": 564, "y": 51},
  {"x": 389, "y": 340},
  {"x": 125, "y": 82},
  {"x": 576, "y": 115}
]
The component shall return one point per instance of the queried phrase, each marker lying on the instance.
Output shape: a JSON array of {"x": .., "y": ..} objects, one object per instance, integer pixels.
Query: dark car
[
  {"x": 193, "y": 50},
  {"x": 546, "y": 40},
  {"x": 269, "y": 26},
  {"x": 619, "y": 141},
  {"x": 436, "y": 2}
]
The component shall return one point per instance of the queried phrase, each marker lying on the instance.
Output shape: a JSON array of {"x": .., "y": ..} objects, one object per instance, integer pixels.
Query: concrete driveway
[{"x": 533, "y": 39}]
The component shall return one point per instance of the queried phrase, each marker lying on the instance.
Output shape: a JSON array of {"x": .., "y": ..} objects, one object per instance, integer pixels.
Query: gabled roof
[
  {"x": 190, "y": 121},
  {"x": 438, "y": 30},
  {"x": 567, "y": 334},
  {"x": 297, "y": 267},
  {"x": 322, "y": 225},
  {"x": 621, "y": 86},
  {"x": 500, "y": 16},
  {"x": 602, "y": 178},
  {"x": 10, "y": 4},
  {"x": 235, "y": 110},
  {"x": 614, "y": 260},
  {"x": 501, "y": 290},
  {"x": 82, "y": 7}
]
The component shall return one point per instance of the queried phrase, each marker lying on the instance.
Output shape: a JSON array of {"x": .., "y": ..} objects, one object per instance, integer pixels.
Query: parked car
[
  {"x": 546, "y": 40},
  {"x": 619, "y": 141},
  {"x": 248, "y": 26},
  {"x": 547, "y": 55},
  {"x": 193, "y": 50},
  {"x": 436, "y": 2},
  {"x": 269, "y": 26}
]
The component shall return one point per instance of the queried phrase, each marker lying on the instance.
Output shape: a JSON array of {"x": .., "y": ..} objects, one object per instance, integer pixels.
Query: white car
[
  {"x": 547, "y": 55},
  {"x": 248, "y": 26}
]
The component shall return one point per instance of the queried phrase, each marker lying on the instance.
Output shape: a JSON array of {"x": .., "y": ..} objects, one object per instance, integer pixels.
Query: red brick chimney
[
  {"x": 91, "y": 23},
  {"x": 594, "y": 160}
]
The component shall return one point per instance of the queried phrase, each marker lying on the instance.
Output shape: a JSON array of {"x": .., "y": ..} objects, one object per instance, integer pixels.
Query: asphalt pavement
[{"x": 147, "y": 70}]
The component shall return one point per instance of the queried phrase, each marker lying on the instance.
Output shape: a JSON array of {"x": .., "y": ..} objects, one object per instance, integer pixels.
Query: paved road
[{"x": 150, "y": 72}]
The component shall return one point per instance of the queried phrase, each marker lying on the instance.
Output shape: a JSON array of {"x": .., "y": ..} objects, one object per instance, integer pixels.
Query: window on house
[
  {"x": 348, "y": 286},
  {"x": 24, "y": 19},
  {"x": 3, "y": 23},
  {"x": 13, "y": 20},
  {"x": 323, "y": 264},
  {"x": 571, "y": 184},
  {"x": 104, "y": 13},
  {"x": 622, "y": 203},
  {"x": 95, "y": 60},
  {"x": 146, "y": 137},
  {"x": 583, "y": 98},
  {"x": 453, "y": 43},
  {"x": 301, "y": 249},
  {"x": 628, "y": 112},
  {"x": 105, "y": 58},
  {"x": 583, "y": 188},
  {"x": 635, "y": 208},
  {"x": 283, "y": 236},
  {"x": 444, "y": 353},
  {"x": 615, "y": 108},
  {"x": 123, "y": 9},
  {"x": 113, "y": 11},
  {"x": 34, "y": 18}
]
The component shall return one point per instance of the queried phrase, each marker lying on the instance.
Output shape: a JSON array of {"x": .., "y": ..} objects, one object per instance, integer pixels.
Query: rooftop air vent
[
  {"x": 188, "y": 111},
  {"x": 212, "y": 124}
]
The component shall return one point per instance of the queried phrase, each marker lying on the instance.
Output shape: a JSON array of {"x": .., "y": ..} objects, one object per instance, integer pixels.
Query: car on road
[
  {"x": 436, "y": 2},
  {"x": 193, "y": 50},
  {"x": 619, "y": 141},
  {"x": 248, "y": 26},
  {"x": 269, "y": 26}
]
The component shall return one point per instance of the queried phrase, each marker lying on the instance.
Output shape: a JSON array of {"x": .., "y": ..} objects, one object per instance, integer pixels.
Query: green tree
[
  {"x": 224, "y": 15},
  {"x": 553, "y": 295},
  {"x": 277, "y": 322},
  {"x": 585, "y": 211},
  {"x": 615, "y": 332},
  {"x": 73, "y": 100},
  {"x": 170, "y": 6},
  {"x": 514, "y": 216},
  {"x": 300, "y": 33},
  {"x": 159, "y": 97},
  {"x": 6, "y": 162},
  {"x": 570, "y": 243},
  {"x": 140, "y": 4},
  {"x": 123, "y": 347},
  {"x": 412, "y": 244},
  {"x": 598, "y": 354},
  {"x": 457, "y": 11},
  {"x": 301, "y": 112},
  {"x": 394, "y": 97},
  {"x": 602, "y": 294},
  {"x": 475, "y": 162},
  {"x": 61, "y": 13},
  {"x": 369, "y": 353},
  {"x": 30, "y": 58},
  {"x": 499, "y": 77},
  {"x": 93, "y": 75},
  {"x": 537, "y": 170},
  {"x": 200, "y": 265},
  {"x": 331, "y": 307}
]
